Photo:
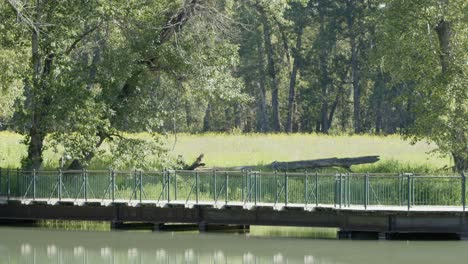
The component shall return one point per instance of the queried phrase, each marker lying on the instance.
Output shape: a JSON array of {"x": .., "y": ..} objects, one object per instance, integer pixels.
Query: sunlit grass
[{"x": 225, "y": 150}]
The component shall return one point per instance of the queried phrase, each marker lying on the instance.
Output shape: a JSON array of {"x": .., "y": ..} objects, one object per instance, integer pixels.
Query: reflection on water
[{"x": 53, "y": 246}]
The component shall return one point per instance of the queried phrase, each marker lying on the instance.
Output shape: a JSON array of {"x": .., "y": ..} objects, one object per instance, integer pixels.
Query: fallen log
[
  {"x": 315, "y": 164},
  {"x": 322, "y": 163}
]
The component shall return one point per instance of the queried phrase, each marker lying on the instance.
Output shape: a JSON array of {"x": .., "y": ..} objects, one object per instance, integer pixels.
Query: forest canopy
[{"x": 84, "y": 73}]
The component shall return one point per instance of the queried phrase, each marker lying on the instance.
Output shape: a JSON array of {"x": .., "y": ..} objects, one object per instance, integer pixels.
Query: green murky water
[{"x": 42, "y": 245}]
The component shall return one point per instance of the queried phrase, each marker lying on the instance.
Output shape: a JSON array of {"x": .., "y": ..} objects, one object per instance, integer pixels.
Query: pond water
[{"x": 44, "y": 245}]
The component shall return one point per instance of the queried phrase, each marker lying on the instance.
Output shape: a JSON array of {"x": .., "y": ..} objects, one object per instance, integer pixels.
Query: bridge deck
[{"x": 224, "y": 205}]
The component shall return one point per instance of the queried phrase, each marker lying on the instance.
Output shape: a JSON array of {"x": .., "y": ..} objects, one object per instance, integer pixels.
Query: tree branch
[{"x": 80, "y": 38}]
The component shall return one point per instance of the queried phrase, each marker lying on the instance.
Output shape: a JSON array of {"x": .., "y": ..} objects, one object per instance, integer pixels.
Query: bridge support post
[
  {"x": 463, "y": 236},
  {"x": 115, "y": 224}
]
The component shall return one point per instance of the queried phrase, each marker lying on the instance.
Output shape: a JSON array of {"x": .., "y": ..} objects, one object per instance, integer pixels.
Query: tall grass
[{"x": 225, "y": 150}]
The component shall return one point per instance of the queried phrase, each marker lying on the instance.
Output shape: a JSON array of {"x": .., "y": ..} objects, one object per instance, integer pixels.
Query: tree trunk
[
  {"x": 354, "y": 68},
  {"x": 324, "y": 79},
  {"x": 207, "y": 118},
  {"x": 36, "y": 134},
  {"x": 460, "y": 162},
  {"x": 443, "y": 31},
  {"x": 276, "y": 126},
  {"x": 262, "y": 115},
  {"x": 333, "y": 109},
  {"x": 292, "y": 82}
]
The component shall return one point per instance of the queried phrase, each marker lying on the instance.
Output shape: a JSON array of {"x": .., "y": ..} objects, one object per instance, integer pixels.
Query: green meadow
[{"x": 225, "y": 150}]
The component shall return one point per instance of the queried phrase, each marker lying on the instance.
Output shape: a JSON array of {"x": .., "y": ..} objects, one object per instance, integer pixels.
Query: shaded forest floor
[{"x": 226, "y": 150}]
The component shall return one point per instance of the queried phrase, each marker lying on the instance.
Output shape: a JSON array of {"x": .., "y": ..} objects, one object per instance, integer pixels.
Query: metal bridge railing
[{"x": 246, "y": 188}]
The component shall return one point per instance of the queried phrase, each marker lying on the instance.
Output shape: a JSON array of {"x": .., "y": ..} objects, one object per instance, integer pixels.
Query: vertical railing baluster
[{"x": 1, "y": 192}]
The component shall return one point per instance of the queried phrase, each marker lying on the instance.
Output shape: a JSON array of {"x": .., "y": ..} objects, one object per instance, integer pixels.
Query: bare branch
[{"x": 80, "y": 38}]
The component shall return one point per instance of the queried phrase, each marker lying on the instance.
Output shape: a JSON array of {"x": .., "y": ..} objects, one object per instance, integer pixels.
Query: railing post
[
  {"x": 316, "y": 189},
  {"x": 141, "y": 184},
  {"x": 85, "y": 182},
  {"x": 341, "y": 190},
  {"x": 413, "y": 197},
  {"x": 242, "y": 185},
  {"x": 259, "y": 189},
  {"x": 113, "y": 185},
  {"x": 168, "y": 186},
  {"x": 345, "y": 191},
  {"x": 366, "y": 191},
  {"x": 276, "y": 186},
  {"x": 409, "y": 191},
  {"x": 227, "y": 186},
  {"x": 349, "y": 190},
  {"x": 305, "y": 188},
  {"x": 34, "y": 184},
  {"x": 463, "y": 190},
  {"x": 8, "y": 184},
  {"x": 214, "y": 185},
  {"x": 286, "y": 193},
  {"x": 400, "y": 187},
  {"x": 196, "y": 187},
  {"x": 255, "y": 187},
  {"x": 175, "y": 185},
  {"x": 60, "y": 185},
  {"x": 1, "y": 181}
]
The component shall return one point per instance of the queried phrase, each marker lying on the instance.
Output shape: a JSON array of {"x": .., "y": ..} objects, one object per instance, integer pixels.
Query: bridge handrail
[{"x": 247, "y": 187}]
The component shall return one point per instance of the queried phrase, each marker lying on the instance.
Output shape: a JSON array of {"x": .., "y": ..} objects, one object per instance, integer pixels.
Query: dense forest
[{"x": 82, "y": 73}]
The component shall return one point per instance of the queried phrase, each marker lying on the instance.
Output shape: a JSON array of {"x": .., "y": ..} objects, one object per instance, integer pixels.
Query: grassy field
[{"x": 224, "y": 150}]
